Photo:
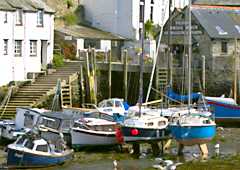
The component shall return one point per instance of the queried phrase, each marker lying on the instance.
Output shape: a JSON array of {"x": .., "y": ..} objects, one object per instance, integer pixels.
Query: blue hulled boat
[
  {"x": 225, "y": 112},
  {"x": 27, "y": 152},
  {"x": 193, "y": 129}
]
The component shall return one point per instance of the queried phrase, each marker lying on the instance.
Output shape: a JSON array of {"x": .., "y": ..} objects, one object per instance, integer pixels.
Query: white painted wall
[
  {"x": 121, "y": 17},
  {"x": 104, "y": 45},
  {"x": 16, "y": 68}
]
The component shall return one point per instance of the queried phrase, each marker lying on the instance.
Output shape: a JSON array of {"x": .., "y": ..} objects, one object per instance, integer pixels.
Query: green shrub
[
  {"x": 57, "y": 60},
  {"x": 70, "y": 19}
]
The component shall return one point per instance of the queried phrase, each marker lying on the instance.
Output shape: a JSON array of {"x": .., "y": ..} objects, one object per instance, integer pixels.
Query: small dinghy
[{"x": 31, "y": 151}]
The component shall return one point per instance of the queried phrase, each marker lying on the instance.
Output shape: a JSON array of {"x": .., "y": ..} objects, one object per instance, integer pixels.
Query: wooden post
[
  {"x": 88, "y": 74},
  {"x": 204, "y": 73},
  {"x": 235, "y": 71},
  {"x": 204, "y": 150},
  {"x": 125, "y": 76},
  {"x": 82, "y": 85},
  {"x": 94, "y": 75},
  {"x": 110, "y": 75}
]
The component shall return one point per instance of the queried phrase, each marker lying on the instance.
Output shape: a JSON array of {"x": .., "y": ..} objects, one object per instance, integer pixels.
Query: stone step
[
  {"x": 34, "y": 89},
  {"x": 37, "y": 94},
  {"x": 19, "y": 104}
]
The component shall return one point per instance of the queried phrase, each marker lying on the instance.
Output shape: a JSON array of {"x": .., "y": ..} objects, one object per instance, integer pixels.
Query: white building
[
  {"x": 26, "y": 38},
  {"x": 122, "y": 16}
]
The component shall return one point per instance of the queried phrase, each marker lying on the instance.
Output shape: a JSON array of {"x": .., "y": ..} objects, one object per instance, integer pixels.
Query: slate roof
[
  {"x": 219, "y": 23},
  {"x": 79, "y": 31},
  {"x": 26, "y": 5}
]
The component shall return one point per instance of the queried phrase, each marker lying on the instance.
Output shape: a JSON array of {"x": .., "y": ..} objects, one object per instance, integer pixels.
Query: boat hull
[
  {"x": 225, "y": 113},
  {"x": 22, "y": 159},
  {"x": 81, "y": 138},
  {"x": 144, "y": 134},
  {"x": 191, "y": 135}
]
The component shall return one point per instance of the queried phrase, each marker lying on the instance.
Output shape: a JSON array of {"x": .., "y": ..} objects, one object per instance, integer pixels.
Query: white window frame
[
  {"x": 18, "y": 48},
  {"x": 5, "y": 47},
  {"x": 19, "y": 17},
  {"x": 40, "y": 16},
  {"x": 5, "y": 17},
  {"x": 33, "y": 48}
]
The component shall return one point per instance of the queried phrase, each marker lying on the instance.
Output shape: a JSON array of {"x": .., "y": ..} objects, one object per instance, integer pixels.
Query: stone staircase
[{"x": 35, "y": 92}]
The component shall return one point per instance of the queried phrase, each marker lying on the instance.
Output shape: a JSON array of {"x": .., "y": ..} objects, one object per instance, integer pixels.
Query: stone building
[{"x": 215, "y": 29}]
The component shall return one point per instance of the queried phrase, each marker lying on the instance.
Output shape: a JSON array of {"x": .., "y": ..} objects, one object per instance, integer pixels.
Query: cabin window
[
  {"x": 118, "y": 104},
  {"x": 5, "y": 47},
  {"x": 5, "y": 17},
  {"x": 150, "y": 124},
  {"x": 152, "y": 1},
  {"x": 66, "y": 125},
  {"x": 29, "y": 144},
  {"x": 40, "y": 18},
  {"x": 141, "y": 14},
  {"x": 224, "y": 46},
  {"x": 91, "y": 43},
  {"x": 161, "y": 123},
  {"x": 28, "y": 120},
  {"x": 33, "y": 48},
  {"x": 107, "y": 117},
  {"x": 19, "y": 17},
  {"x": 50, "y": 123},
  {"x": 42, "y": 148},
  {"x": 20, "y": 141},
  {"x": 18, "y": 48}
]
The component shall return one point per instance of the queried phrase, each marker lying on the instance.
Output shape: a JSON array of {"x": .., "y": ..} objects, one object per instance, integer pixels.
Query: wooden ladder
[{"x": 161, "y": 80}]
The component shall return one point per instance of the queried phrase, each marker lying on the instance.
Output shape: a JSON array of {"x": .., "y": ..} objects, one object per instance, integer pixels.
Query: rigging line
[{"x": 155, "y": 61}]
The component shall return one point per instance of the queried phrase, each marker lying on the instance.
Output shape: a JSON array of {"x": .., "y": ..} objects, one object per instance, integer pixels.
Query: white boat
[
  {"x": 148, "y": 126},
  {"x": 93, "y": 131},
  {"x": 26, "y": 119}
]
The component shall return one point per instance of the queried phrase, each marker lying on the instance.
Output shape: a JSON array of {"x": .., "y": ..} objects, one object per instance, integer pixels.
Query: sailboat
[
  {"x": 192, "y": 128},
  {"x": 143, "y": 126}
]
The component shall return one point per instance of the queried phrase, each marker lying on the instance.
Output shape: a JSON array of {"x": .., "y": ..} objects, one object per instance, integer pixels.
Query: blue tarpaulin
[{"x": 183, "y": 98}]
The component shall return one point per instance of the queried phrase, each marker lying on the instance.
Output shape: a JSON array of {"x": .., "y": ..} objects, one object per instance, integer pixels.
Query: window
[
  {"x": 5, "y": 47},
  {"x": 19, "y": 17},
  {"x": 42, "y": 148},
  {"x": 40, "y": 18},
  {"x": 152, "y": 1},
  {"x": 29, "y": 144},
  {"x": 151, "y": 13},
  {"x": 141, "y": 14},
  {"x": 5, "y": 17},
  {"x": 18, "y": 48},
  {"x": 33, "y": 48},
  {"x": 224, "y": 47},
  {"x": 28, "y": 119},
  {"x": 91, "y": 43}
]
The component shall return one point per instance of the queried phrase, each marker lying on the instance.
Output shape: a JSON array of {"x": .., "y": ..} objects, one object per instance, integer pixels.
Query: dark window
[
  {"x": 141, "y": 14},
  {"x": 224, "y": 47},
  {"x": 5, "y": 47},
  {"x": 20, "y": 141},
  {"x": 5, "y": 17},
  {"x": 152, "y": 1},
  {"x": 42, "y": 148},
  {"x": 29, "y": 144},
  {"x": 28, "y": 120},
  {"x": 91, "y": 43},
  {"x": 151, "y": 13},
  {"x": 107, "y": 117},
  {"x": 18, "y": 48}
]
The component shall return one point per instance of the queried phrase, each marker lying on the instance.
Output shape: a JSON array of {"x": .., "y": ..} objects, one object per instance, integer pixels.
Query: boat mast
[
  {"x": 141, "y": 21},
  {"x": 189, "y": 53}
]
